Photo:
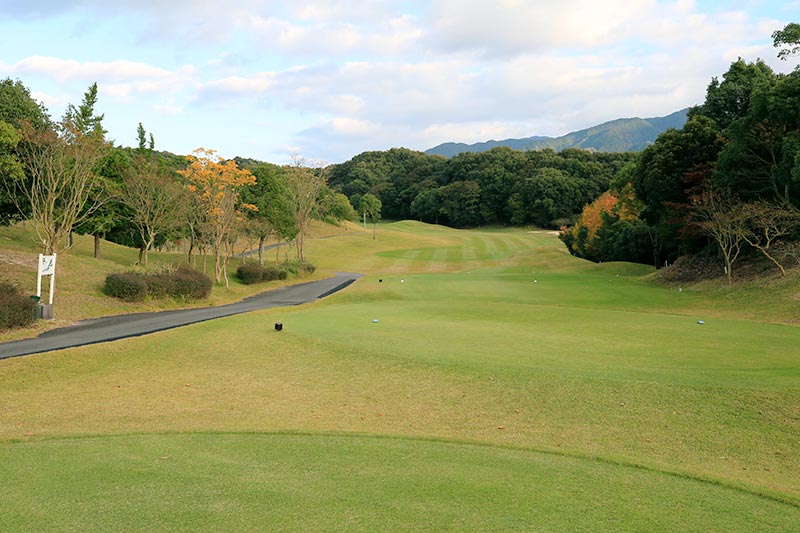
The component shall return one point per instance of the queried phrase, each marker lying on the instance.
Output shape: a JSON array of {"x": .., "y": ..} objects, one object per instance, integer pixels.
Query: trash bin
[{"x": 37, "y": 309}]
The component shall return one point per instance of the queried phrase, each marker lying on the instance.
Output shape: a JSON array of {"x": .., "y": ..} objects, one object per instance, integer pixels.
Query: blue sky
[{"x": 330, "y": 79}]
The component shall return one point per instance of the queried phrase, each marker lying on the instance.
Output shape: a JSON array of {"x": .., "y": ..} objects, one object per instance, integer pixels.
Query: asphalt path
[{"x": 122, "y": 326}]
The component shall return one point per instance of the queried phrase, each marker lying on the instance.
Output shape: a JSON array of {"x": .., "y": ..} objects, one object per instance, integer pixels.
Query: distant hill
[{"x": 621, "y": 135}]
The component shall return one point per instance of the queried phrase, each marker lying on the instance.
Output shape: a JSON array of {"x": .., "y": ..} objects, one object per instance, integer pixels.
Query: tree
[
  {"x": 270, "y": 194},
  {"x": 17, "y": 108},
  {"x": 767, "y": 222},
  {"x": 216, "y": 184},
  {"x": 788, "y": 40},
  {"x": 724, "y": 218},
  {"x": 761, "y": 159},
  {"x": 11, "y": 175},
  {"x": 304, "y": 188},
  {"x": 729, "y": 100},
  {"x": 581, "y": 239},
  {"x": 461, "y": 203},
  {"x": 370, "y": 208},
  {"x": 427, "y": 206},
  {"x": 155, "y": 201},
  {"x": 659, "y": 181},
  {"x": 82, "y": 118},
  {"x": 337, "y": 206},
  {"x": 63, "y": 189}
]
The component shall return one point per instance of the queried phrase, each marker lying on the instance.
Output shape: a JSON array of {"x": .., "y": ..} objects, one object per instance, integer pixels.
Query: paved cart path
[{"x": 132, "y": 325}]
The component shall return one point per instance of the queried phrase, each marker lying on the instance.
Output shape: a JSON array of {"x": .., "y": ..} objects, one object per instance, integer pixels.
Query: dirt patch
[{"x": 18, "y": 258}]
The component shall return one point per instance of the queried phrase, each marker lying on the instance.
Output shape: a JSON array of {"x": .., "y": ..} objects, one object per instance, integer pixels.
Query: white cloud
[
  {"x": 509, "y": 27},
  {"x": 49, "y": 100},
  {"x": 239, "y": 86},
  {"x": 372, "y": 74},
  {"x": 68, "y": 69}
]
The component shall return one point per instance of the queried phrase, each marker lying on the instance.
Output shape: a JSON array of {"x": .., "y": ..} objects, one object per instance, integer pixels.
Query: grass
[
  {"x": 506, "y": 386},
  {"x": 238, "y": 481},
  {"x": 80, "y": 278}
]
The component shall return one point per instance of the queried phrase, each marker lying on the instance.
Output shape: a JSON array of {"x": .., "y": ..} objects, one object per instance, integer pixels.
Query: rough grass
[
  {"x": 597, "y": 399},
  {"x": 80, "y": 278}
]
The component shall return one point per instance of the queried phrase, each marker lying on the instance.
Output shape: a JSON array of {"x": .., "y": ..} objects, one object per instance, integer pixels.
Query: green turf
[
  {"x": 277, "y": 482},
  {"x": 591, "y": 397}
]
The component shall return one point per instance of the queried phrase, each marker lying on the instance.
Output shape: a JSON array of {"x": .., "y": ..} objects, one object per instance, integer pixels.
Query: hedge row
[
  {"x": 16, "y": 309},
  {"x": 250, "y": 274},
  {"x": 184, "y": 282}
]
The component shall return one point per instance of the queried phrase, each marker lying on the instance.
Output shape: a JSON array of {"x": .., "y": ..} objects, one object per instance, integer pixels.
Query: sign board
[{"x": 47, "y": 267}]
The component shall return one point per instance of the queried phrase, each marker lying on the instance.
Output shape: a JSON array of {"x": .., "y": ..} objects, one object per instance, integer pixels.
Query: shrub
[
  {"x": 189, "y": 283},
  {"x": 128, "y": 286},
  {"x": 182, "y": 282},
  {"x": 291, "y": 267},
  {"x": 159, "y": 285},
  {"x": 271, "y": 273},
  {"x": 250, "y": 274},
  {"x": 16, "y": 309}
]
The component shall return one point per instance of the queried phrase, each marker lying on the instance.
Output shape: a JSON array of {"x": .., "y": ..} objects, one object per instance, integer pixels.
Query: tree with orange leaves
[
  {"x": 609, "y": 228},
  {"x": 584, "y": 232},
  {"x": 216, "y": 184}
]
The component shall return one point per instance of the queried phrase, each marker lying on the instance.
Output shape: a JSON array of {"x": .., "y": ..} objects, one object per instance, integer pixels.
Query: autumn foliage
[
  {"x": 609, "y": 228},
  {"x": 215, "y": 184}
]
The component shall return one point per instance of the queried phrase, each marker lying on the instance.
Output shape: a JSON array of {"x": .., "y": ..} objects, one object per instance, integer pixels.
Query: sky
[{"x": 329, "y": 79}]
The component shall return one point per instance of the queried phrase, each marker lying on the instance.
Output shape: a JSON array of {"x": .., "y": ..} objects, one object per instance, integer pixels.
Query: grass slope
[
  {"x": 80, "y": 277},
  {"x": 506, "y": 386}
]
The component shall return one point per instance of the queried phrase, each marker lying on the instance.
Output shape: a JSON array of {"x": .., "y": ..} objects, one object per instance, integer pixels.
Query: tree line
[
  {"x": 726, "y": 184},
  {"x": 64, "y": 176},
  {"x": 499, "y": 186}
]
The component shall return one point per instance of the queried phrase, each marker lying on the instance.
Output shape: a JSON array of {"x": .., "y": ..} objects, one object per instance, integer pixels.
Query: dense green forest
[{"x": 501, "y": 186}]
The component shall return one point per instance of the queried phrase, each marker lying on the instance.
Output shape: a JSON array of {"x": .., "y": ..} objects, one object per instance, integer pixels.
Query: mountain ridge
[{"x": 619, "y": 135}]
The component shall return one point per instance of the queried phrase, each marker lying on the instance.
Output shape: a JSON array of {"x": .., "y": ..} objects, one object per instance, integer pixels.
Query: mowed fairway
[{"x": 504, "y": 386}]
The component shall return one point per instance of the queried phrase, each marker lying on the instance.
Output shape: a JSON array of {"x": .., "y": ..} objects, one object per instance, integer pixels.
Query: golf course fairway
[{"x": 471, "y": 380}]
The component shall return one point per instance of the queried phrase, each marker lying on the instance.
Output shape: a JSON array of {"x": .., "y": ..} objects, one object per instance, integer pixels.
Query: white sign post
[{"x": 47, "y": 267}]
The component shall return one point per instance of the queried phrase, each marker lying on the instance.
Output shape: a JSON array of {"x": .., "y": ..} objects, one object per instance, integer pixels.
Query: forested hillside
[
  {"x": 726, "y": 184},
  {"x": 501, "y": 186}
]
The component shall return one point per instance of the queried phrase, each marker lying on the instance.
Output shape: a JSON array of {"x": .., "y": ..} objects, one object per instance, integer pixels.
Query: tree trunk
[
  {"x": 261, "y": 250},
  {"x": 97, "y": 246},
  {"x": 217, "y": 266},
  {"x": 191, "y": 249},
  {"x": 728, "y": 269},
  {"x": 147, "y": 246},
  {"x": 141, "y": 255},
  {"x": 764, "y": 251},
  {"x": 71, "y": 239}
]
